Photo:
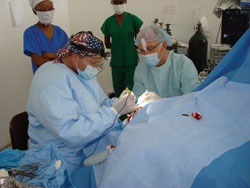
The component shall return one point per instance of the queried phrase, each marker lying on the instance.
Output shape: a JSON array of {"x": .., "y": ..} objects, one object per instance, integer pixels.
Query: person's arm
[
  {"x": 107, "y": 41},
  {"x": 32, "y": 48},
  {"x": 41, "y": 59},
  {"x": 139, "y": 87},
  {"x": 107, "y": 37},
  {"x": 137, "y": 23},
  {"x": 49, "y": 55},
  {"x": 59, "y": 112},
  {"x": 189, "y": 76},
  {"x": 105, "y": 100},
  {"x": 136, "y": 32},
  {"x": 147, "y": 97}
]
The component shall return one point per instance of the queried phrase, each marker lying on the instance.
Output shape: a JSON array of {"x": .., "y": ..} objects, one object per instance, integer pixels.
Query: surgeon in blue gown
[
  {"x": 67, "y": 108},
  {"x": 42, "y": 40},
  {"x": 162, "y": 73}
]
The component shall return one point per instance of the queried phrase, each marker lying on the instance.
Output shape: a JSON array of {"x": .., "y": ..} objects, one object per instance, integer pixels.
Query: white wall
[
  {"x": 15, "y": 68},
  {"x": 148, "y": 10},
  {"x": 90, "y": 15}
]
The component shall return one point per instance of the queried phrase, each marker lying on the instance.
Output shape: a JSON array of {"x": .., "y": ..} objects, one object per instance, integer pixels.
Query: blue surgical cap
[{"x": 153, "y": 33}]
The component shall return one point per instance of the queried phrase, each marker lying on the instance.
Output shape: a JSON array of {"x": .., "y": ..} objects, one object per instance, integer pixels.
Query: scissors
[{"x": 25, "y": 170}]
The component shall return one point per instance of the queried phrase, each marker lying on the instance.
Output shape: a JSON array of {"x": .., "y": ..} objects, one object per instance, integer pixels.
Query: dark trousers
[{"x": 122, "y": 76}]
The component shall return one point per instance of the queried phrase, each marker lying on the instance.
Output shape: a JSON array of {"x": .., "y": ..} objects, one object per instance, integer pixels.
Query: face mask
[
  {"x": 119, "y": 9},
  {"x": 89, "y": 72},
  {"x": 45, "y": 17},
  {"x": 150, "y": 60}
]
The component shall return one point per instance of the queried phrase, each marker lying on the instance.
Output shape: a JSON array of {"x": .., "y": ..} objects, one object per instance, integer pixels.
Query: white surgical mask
[
  {"x": 119, "y": 9},
  {"x": 45, "y": 17}
]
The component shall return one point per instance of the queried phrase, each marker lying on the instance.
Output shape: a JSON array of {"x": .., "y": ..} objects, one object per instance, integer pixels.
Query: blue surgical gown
[
  {"x": 177, "y": 76},
  {"x": 66, "y": 111},
  {"x": 35, "y": 41}
]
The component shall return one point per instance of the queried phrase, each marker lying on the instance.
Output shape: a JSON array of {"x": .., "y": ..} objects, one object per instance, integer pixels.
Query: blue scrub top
[{"x": 37, "y": 42}]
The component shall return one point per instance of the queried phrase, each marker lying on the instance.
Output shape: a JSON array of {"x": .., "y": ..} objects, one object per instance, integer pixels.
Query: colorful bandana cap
[{"x": 82, "y": 43}]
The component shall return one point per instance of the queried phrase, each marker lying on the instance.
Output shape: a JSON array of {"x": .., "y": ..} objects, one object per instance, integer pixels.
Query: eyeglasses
[
  {"x": 100, "y": 64},
  {"x": 149, "y": 48},
  {"x": 99, "y": 67}
]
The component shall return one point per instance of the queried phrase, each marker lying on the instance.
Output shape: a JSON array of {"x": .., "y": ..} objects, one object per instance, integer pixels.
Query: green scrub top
[
  {"x": 123, "y": 47},
  {"x": 177, "y": 76}
]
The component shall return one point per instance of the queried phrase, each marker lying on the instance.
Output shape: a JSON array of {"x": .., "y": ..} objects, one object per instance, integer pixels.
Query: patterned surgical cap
[{"x": 82, "y": 43}]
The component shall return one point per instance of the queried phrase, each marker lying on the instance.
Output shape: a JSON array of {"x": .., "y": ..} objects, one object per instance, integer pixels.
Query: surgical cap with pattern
[
  {"x": 33, "y": 3},
  {"x": 153, "y": 33},
  {"x": 78, "y": 42}
]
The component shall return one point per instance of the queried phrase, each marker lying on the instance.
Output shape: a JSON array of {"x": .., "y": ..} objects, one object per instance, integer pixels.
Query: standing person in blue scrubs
[
  {"x": 67, "y": 107},
  {"x": 119, "y": 31},
  {"x": 42, "y": 40},
  {"x": 162, "y": 73}
]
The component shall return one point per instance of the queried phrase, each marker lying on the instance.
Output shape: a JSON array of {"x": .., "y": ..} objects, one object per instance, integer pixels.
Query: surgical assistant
[
  {"x": 66, "y": 106},
  {"x": 122, "y": 27},
  {"x": 164, "y": 72},
  {"x": 42, "y": 40}
]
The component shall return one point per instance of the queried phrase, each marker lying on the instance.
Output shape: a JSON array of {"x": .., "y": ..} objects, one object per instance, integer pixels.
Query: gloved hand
[
  {"x": 147, "y": 97},
  {"x": 123, "y": 108}
]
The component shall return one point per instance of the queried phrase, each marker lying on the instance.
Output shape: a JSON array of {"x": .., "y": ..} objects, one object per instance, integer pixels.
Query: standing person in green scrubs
[{"x": 122, "y": 28}]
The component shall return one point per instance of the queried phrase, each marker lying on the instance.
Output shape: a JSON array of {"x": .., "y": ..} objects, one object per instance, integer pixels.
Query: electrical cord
[{"x": 108, "y": 129}]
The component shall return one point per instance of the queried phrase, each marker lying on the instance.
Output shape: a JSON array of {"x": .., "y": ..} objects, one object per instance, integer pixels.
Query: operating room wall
[
  {"x": 90, "y": 15},
  {"x": 15, "y": 68}
]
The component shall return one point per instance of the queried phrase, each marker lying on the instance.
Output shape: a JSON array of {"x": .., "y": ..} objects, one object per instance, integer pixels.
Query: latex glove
[
  {"x": 122, "y": 108},
  {"x": 147, "y": 97},
  {"x": 130, "y": 116},
  {"x": 123, "y": 94}
]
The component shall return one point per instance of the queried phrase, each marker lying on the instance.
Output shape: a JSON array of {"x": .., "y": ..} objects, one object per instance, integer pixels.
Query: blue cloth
[
  {"x": 177, "y": 76},
  {"x": 47, "y": 174},
  {"x": 84, "y": 177},
  {"x": 87, "y": 176},
  {"x": 67, "y": 112},
  {"x": 162, "y": 148},
  {"x": 230, "y": 170},
  {"x": 10, "y": 158},
  {"x": 36, "y": 42}
]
